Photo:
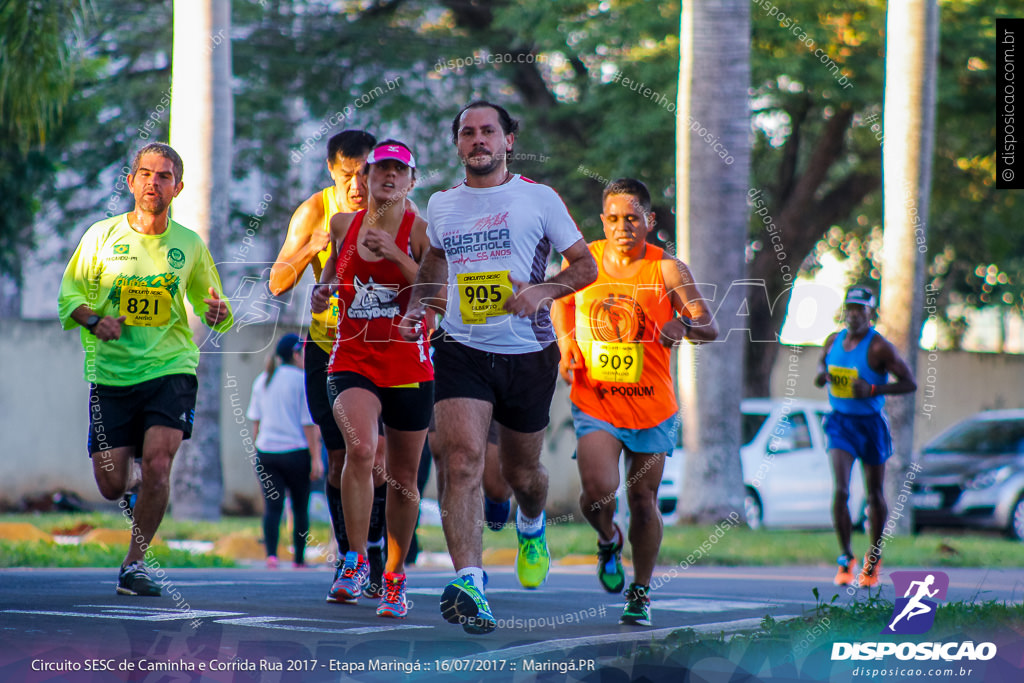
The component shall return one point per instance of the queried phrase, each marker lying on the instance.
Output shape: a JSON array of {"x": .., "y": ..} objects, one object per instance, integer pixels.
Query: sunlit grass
[{"x": 697, "y": 545}]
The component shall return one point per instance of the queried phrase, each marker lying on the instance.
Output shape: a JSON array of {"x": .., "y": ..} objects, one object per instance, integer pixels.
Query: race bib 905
[{"x": 483, "y": 295}]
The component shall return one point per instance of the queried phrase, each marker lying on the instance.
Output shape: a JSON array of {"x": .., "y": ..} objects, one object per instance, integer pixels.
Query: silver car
[{"x": 973, "y": 475}]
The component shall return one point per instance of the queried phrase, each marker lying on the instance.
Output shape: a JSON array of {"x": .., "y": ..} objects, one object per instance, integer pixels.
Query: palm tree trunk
[
  {"x": 910, "y": 75},
  {"x": 201, "y": 131},
  {"x": 714, "y": 78}
]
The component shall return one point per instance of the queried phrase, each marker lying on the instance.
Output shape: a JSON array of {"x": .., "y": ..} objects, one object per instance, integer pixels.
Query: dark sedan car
[{"x": 973, "y": 475}]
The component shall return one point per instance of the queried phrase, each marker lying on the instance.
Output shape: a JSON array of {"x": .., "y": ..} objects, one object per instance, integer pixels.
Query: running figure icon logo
[{"x": 914, "y": 613}]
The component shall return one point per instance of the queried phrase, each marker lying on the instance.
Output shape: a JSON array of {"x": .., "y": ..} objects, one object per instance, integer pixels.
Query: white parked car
[{"x": 786, "y": 468}]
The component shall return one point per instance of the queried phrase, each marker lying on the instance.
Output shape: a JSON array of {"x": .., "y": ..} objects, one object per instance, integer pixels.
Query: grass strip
[{"x": 34, "y": 554}]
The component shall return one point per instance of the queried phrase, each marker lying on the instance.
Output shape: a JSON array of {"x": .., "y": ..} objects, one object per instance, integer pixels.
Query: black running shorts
[
  {"x": 120, "y": 416},
  {"x": 319, "y": 403},
  {"x": 406, "y": 409},
  {"x": 519, "y": 386}
]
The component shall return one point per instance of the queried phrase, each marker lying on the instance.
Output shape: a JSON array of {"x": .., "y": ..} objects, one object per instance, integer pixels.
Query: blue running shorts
[{"x": 862, "y": 436}]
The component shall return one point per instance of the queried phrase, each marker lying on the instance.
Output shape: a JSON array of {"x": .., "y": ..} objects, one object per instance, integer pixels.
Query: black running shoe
[
  {"x": 135, "y": 580},
  {"x": 375, "y": 589},
  {"x": 496, "y": 513}
]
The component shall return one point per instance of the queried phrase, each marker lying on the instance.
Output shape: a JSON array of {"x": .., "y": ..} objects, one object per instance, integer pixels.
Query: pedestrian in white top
[{"x": 287, "y": 445}]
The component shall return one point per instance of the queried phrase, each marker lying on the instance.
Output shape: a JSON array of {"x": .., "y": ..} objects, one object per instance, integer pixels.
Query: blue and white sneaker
[{"x": 352, "y": 578}]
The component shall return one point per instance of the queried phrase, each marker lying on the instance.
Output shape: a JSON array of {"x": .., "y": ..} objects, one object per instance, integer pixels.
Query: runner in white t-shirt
[{"x": 494, "y": 355}]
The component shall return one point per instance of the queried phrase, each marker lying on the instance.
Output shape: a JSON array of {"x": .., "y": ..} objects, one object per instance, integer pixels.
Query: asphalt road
[{"x": 259, "y": 625}]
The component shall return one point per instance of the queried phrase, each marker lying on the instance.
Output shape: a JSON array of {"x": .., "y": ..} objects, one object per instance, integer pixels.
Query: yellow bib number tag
[
  {"x": 616, "y": 362},
  {"x": 841, "y": 384},
  {"x": 483, "y": 295},
  {"x": 328, "y": 319},
  {"x": 145, "y": 306}
]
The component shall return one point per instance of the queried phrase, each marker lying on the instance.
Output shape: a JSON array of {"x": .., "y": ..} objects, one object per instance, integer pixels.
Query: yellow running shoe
[{"x": 533, "y": 560}]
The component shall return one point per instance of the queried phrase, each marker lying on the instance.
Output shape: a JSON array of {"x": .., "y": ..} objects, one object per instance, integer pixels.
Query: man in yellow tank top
[
  {"x": 308, "y": 243},
  {"x": 615, "y": 338}
]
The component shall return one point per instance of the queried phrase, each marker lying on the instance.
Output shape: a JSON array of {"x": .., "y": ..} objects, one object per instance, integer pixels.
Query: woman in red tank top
[{"x": 374, "y": 373}]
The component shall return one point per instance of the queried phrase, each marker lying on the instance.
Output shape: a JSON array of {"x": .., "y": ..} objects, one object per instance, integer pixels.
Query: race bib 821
[{"x": 145, "y": 306}]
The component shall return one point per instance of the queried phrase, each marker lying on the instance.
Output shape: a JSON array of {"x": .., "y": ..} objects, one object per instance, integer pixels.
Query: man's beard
[
  {"x": 496, "y": 162},
  {"x": 154, "y": 205}
]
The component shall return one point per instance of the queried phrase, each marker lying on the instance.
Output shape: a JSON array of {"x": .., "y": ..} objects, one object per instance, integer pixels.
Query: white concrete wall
[{"x": 43, "y": 399}]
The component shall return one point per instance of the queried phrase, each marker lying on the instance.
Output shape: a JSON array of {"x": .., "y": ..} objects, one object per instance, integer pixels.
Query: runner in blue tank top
[{"x": 856, "y": 363}]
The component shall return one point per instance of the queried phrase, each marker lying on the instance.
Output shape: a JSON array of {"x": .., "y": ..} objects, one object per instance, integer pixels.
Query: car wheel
[
  {"x": 1017, "y": 520},
  {"x": 753, "y": 510}
]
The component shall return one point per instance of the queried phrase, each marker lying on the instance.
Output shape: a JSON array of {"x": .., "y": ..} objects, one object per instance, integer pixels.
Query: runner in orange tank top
[
  {"x": 373, "y": 261},
  {"x": 616, "y": 338}
]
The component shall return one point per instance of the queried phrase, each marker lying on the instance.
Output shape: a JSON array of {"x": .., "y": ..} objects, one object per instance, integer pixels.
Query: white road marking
[
  {"x": 272, "y": 623},
  {"x": 264, "y": 582},
  {"x": 230, "y": 618},
  {"x": 567, "y": 643},
  {"x": 706, "y": 605},
  {"x": 490, "y": 591},
  {"x": 131, "y": 613}
]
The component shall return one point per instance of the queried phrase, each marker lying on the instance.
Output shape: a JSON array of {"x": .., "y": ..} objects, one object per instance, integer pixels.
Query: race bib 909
[{"x": 616, "y": 362}]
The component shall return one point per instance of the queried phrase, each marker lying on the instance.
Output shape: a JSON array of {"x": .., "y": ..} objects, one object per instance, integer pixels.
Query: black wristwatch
[{"x": 91, "y": 322}]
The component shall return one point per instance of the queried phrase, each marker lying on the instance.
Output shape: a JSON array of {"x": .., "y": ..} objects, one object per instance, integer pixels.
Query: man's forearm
[
  {"x": 573, "y": 278},
  {"x": 433, "y": 273},
  {"x": 287, "y": 271},
  {"x": 81, "y": 314}
]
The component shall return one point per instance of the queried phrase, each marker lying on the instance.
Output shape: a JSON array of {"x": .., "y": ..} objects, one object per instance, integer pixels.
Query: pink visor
[{"x": 396, "y": 152}]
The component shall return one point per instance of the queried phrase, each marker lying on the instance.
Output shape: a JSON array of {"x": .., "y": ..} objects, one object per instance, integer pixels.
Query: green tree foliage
[
  {"x": 975, "y": 238},
  {"x": 38, "y": 52},
  {"x": 603, "y": 97},
  {"x": 816, "y": 148},
  {"x": 39, "y": 65}
]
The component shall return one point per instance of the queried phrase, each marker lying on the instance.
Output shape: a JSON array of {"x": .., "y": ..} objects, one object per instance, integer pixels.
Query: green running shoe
[
  {"x": 609, "y": 564},
  {"x": 638, "y": 606},
  {"x": 463, "y": 603},
  {"x": 533, "y": 560}
]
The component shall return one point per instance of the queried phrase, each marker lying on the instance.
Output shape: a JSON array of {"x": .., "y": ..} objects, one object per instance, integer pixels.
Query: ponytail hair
[
  {"x": 285, "y": 353},
  {"x": 270, "y": 368}
]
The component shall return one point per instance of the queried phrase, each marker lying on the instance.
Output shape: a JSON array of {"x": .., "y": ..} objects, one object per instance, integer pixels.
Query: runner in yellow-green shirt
[{"x": 126, "y": 286}]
